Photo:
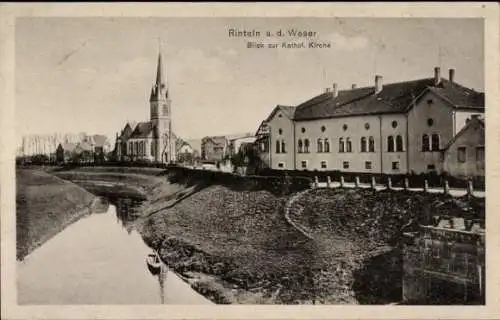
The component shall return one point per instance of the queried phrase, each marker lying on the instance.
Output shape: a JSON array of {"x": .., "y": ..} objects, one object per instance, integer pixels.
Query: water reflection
[
  {"x": 104, "y": 266},
  {"x": 126, "y": 211}
]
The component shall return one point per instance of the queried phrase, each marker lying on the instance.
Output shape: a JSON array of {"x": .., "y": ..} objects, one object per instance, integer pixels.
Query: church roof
[{"x": 142, "y": 130}]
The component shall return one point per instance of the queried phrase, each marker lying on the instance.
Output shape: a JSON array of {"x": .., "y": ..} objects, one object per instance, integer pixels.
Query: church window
[
  {"x": 299, "y": 145},
  {"x": 152, "y": 149},
  {"x": 390, "y": 144}
]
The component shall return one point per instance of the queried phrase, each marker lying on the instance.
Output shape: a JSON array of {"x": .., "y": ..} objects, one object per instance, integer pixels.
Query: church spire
[{"x": 159, "y": 90}]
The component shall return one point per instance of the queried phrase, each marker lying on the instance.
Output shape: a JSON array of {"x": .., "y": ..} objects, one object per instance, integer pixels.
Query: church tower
[{"x": 163, "y": 146}]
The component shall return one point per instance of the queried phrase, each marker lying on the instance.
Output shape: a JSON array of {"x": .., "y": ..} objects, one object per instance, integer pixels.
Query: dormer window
[{"x": 429, "y": 101}]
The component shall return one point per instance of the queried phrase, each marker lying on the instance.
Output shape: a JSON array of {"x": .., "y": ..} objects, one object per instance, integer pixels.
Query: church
[{"x": 153, "y": 140}]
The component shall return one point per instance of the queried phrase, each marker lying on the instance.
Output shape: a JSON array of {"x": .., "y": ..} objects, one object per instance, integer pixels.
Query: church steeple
[{"x": 159, "y": 90}]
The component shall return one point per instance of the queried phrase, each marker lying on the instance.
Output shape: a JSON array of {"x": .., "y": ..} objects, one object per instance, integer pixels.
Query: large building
[
  {"x": 151, "y": 140},
  {"x": 390, "y": 129}
]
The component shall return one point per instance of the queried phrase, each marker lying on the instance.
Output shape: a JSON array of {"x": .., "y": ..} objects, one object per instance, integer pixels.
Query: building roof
[
  {"x": 287, "y": 110},
  {"x": 100, "y": 140},
  {"x": 142, "y": 130},
  {"x": 473, "y": 122},
  {"x": 218, "y": 140},
  {"x": 394, "y": 98}
]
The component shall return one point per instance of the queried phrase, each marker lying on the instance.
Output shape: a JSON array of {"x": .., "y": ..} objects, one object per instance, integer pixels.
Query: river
[{"x": 100, "y": 259}]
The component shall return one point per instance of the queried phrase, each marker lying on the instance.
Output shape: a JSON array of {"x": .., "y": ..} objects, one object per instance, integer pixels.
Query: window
[
  {"x": 299, "y": 145},
  {"x": 363, "y": 144},
  {"x": 394, "y": 124},
  {"x": 368, "y": 165},
  {"x": 390, "y": 144},
  {"x": 279, "y": 115},
  {"x": 320, "y": 145},
  {"x": 281, "y": 165},
  {"x": 327, "y": 145},
  {"x": 136, "y": 147},
  {"x": 152, "y": 148},
  {"x": 323, "y": 128},
  {"x": 435, "y": 252},
  {"x": 399, "y": 143},
  {"x": 431, "y": 167},
  {"x": 278, "y": 146},
  {"x": 435, "y": 142},
  {"x": 306, "y": 145},
  {"x": 283, "y": 146},
  {"x": 348, "y": 146},
  {"x": 425, "y": 143},
  {"x": 304, "y": 164},
  {"x": 303, "y": 130},
  {"x": 323, "y": 164},
  {"x": 280, "y": 131},
  {"x": 429, "y": 101},
  {"x": 341, "y": 145},
  {"x": 461, "y": 154},
  {"x": 430, "y": 122},
  {"x": 165, "y": 110},
  {"x": 480, "y": 153},
  {"x": 345, "y": 164},
  {"x": 367, "y": 126},
  {"x": 344, "y": 127},
  {"x": 395, "y": 165},
  {"x": 371, "y": 144}
]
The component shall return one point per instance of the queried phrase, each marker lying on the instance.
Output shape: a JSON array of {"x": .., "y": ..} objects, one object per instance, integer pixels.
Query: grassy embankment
[
  {"x": 45, "y": 205},
  {"x": 236, "y": 247}
]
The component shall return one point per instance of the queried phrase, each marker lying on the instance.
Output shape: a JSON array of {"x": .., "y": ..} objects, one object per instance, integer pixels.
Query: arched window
[
  {"x": 278, "y": 146},
  {"x": 306, "y": 145},
  {"x": 283, "y": 146},
  {"x": 152, "y": 148},
  {"x": 425, "y": 142},
  {"x": 435, "y": 142},
  {"x": 348, "y": 145},
  {"x": 141, "y": 144},
  {"x": 131, "y": 148},
  {"x": 390, "y": 144},
  {"x": 341, "y": 145},
  {"x": 299, "y": 145},
  {"x": 136, "y": 147},
  {"x": 399, "y": 143},
  {"x": 371, "y": 144},
  {"x": 363, "y": 144},
  {"x": 327, "y": 145},
  {"x": 320, "y": 145}
]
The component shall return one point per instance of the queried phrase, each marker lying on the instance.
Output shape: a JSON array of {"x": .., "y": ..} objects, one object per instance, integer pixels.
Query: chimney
[
  {"x": 437, "y": 75},
  {"x": 335, "y": 90},
  {"x": 452, "y": 75},
  {"x": 378, "y": 84},
  {"x": 353, "y": 86}
]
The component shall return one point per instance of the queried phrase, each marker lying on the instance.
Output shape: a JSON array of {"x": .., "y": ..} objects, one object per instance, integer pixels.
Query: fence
[{"x": 388, "y": 184}]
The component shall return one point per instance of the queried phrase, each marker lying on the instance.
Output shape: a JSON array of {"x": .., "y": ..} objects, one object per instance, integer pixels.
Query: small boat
[{"x": 154, "y": 263}]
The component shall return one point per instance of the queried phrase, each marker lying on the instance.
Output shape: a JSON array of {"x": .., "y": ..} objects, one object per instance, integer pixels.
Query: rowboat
[{"x": 154, "y": 263}]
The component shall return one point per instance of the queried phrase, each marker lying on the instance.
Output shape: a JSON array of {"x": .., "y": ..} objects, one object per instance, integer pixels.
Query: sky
[{"x": 94, "y": 74}]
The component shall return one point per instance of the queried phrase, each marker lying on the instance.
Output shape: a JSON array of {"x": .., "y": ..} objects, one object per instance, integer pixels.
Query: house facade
[
  {"x": 397, "y": 128},
  {"x": 464, "y": 155},
  {"x": 151, "y": 140},
  {"x": 214, "y": 148}
]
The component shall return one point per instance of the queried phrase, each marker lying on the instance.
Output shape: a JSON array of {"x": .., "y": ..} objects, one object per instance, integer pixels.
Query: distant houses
[{"x": 92, "y": 149}]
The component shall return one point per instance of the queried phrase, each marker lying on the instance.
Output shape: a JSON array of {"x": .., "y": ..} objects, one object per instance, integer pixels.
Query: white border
[{"x": 8, "y": 13}]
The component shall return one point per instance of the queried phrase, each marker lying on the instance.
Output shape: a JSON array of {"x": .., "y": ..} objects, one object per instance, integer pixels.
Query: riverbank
[
  {"x": 45, "y": 205},
  {"x": 233, "y": 245}
]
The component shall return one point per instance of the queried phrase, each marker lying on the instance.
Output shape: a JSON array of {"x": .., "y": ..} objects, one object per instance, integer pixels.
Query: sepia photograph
[{"x": 249, "y": 160}]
